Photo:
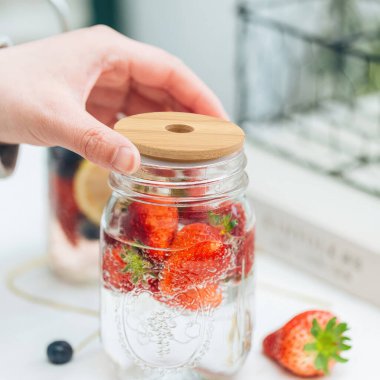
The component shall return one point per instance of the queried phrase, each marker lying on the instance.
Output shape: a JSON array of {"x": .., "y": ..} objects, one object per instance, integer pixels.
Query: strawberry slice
[
  {"x": 65, "y": 207},
  {"x": 309, "y": 344},
  {"x": 151, "y": 225},
  {"x": 200, "y": 257}
]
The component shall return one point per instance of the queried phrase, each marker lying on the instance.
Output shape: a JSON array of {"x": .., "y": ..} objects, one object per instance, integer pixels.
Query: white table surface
[{"x": 27, "y": 328}]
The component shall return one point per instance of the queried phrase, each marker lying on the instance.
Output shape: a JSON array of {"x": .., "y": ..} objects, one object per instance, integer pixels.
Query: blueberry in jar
[
  {"x": 89, "y": 230},
  {"x": 63, "y": 161}
]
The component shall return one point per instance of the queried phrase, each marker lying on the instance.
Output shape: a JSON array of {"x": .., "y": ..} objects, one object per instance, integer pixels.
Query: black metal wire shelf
[{"x": 312, "y": 96}]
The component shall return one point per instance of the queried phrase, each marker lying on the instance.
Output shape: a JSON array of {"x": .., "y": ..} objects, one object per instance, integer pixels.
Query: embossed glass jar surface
[{"x": 177, "y": 255}]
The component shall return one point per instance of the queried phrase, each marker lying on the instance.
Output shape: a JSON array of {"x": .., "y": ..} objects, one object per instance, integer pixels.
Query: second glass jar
[{"x": 78, "y": 193}]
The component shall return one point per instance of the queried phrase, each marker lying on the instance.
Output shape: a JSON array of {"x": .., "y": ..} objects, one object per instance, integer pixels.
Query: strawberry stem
[
  {"x": 328, "y": 344},
  {"x": 136, "y": 265},
  {"x": 225, "y": 221}
]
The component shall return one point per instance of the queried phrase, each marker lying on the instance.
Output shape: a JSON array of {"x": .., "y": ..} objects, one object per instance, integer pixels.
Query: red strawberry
[
  {"x": 195, "y": 233},
  {"x": 229, "y": 217},
  {"x": 66, "y": 209},
  {"x": 124, "y": 268},
  {"x": 199, "y": 257},
  {"x": 193, "y": 299},
  {"x": 194, "y": 214},
  {"x": 245, "y": 255},
  {"x": 113, "y": 275},
  {"x": 309, "y": 344},
  {"x": 151, "y": 225}
]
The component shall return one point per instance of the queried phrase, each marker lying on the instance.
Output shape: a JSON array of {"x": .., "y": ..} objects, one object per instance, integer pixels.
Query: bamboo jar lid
[{"x": 185, "y": 137}]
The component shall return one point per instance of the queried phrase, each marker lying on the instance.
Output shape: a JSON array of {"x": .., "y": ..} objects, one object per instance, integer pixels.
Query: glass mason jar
[
  {"x": 78, "y": 191},
  {"x": 177, "y": 242}
]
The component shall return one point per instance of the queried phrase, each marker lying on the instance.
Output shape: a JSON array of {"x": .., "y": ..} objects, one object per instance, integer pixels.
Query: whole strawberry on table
[{"x": 310, "y": 344}]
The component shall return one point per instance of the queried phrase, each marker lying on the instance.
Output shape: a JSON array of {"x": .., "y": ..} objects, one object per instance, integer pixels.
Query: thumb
[{"x": 101, "y": 145}]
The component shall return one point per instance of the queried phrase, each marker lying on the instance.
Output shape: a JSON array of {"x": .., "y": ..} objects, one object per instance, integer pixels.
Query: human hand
[{"x": 65, "y": 90}]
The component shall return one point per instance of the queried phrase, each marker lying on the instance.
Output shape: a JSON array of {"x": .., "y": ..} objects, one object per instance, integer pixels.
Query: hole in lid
[{"x": 179, "y": 128}]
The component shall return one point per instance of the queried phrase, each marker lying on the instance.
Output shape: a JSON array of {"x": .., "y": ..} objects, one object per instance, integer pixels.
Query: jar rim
[
  {"x": 154, "y": 163},
  {"x": 194, "y": 182}
]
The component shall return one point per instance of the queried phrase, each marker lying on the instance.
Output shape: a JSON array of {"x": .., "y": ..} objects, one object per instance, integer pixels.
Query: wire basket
[{"x": 309, "y": 84}]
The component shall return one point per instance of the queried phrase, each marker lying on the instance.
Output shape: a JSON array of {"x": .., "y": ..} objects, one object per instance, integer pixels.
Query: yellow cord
[{"x": 40, "y": 262}]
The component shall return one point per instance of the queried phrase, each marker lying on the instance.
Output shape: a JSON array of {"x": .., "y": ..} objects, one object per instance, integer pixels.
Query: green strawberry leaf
[
  {"x": 135, "y": 264},
  {"x": 322, "y": 363},
  {"x": 339, "y": 359},
  {"x": 315, "y": 329},
  {"x": 224, "y": 221},
  {"x": 214, "y": 219},
  {"x": 329, "y": 342},
  {"x": 310, "y": 347}
]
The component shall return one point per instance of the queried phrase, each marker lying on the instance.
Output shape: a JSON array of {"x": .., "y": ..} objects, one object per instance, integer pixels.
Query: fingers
[
  {"x": 158, "y": 96},
  {"x": 136, "y": 104},
  {"x": 125, "y": 60},
  {"x": 99, "y": 144},
  {"x": 106, "y": 97},
  {"x": 105, "y": 115},
  {"x": 170, "y": 74}
]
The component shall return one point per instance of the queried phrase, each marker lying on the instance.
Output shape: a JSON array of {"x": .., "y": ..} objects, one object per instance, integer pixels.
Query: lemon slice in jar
[{"x": 91, "y": 190}]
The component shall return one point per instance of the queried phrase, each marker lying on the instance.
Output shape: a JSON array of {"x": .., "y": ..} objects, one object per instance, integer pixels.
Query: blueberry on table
[
  {"x": 59, "y": 352},
  {"x": 89, "y": 230},
  {"x": 63, "y": 161}
]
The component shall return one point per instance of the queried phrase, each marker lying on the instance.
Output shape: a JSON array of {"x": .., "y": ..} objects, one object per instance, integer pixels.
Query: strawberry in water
[
  {"x": 194, "y": 214},
  {"x": 309, "y": 344},
  {"x": 200, "y": 257},
  {"x": 64, "y": 204},
  {"x": 113, "y": 275},
  {"x": 151, "y": 225},
  {"x": 209, "y": 296},
  {"x": 124, "y": 269},
  {"x": 229, "y": 217},
  {"x": 193, "y": 234}
]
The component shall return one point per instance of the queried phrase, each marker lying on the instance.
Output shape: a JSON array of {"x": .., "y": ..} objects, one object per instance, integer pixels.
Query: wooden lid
[{"x": 177, "y": 136}]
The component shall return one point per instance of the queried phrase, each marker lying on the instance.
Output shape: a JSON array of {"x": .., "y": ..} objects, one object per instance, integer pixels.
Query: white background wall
[
  {"x": 26, "y": 20},
  {"x": 26, "y": 190},
  {"x": 200, "y": 32}
]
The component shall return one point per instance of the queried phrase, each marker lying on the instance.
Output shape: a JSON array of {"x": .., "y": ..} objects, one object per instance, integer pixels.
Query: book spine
[{"x": 309, "y": 247}]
